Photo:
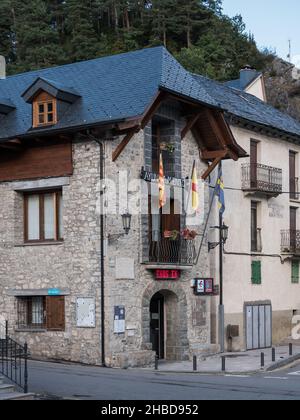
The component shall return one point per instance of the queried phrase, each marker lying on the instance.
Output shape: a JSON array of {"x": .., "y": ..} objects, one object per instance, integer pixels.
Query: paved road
[{"x": 90, "y": 383}]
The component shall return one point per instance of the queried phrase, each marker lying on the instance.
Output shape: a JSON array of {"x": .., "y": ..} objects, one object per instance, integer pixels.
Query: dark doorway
[{"x": 157, "y": 325}]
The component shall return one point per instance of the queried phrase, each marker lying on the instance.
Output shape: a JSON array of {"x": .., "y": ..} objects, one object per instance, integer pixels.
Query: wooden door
[
  {"x": 253, "y": 163},
  {"x": 293, "y": 228}
]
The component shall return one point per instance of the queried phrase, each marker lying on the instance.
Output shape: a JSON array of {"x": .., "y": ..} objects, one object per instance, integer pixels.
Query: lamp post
[
  {"x": 223, "y": 236},
  {"x": 126, "y": 219}
]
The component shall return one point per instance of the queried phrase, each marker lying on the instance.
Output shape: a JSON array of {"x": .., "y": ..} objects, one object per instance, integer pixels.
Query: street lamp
[
  {"x": 223, "y": 236},
  {"x": 126, "y": 219}
]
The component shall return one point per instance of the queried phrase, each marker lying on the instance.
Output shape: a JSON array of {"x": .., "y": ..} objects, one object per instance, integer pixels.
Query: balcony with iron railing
[
  {"x": 172, "y": 249},
  {"x": 290, "y": 242},
  {"x": 261, "y": 179}
]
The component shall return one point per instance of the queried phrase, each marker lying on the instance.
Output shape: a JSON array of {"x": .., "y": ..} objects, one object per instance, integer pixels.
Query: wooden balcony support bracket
[
  {"x": 220, "y": 135},
  {"x": 124, "y": 142},
  {"x": 189, "y": 125},
  {"x": 140, "y": 124},
  {"x": 214, "y": 164}
]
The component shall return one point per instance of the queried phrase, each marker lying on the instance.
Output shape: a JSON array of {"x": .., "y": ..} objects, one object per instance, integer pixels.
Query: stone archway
[{"x": 176, "y": 330}]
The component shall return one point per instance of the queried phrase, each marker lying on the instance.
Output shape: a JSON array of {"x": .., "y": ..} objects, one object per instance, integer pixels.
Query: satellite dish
[{"x": 2, "y": 67}]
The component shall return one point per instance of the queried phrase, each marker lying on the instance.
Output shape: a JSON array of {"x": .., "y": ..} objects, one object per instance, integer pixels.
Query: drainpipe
[{"x": 102, "y": 270}]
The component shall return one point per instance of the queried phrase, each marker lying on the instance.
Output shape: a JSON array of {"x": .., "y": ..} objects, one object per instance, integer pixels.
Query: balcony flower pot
[
  {"x": 171, "y": 234},
  {"x": 189, "y": 235},
  {"x": 167, "y": 147}
]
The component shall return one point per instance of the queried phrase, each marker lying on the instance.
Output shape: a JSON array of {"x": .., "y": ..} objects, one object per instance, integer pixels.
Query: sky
[{"x": 273, "y": 23}]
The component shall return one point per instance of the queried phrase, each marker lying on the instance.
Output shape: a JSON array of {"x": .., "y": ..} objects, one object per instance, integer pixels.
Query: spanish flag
[
  {"x": 161, "y": 184},
  {"x": 195, "y": 195}
]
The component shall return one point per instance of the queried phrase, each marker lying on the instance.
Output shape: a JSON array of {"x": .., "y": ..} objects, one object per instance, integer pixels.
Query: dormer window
[
  {"x": 44, "y": 110},
  {"x": 50, "y": 100}
]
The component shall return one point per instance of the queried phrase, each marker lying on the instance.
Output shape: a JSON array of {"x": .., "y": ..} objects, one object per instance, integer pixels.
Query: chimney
[
  {"x": 247, "y": 75},
  {"x": 2, "y": 67}
]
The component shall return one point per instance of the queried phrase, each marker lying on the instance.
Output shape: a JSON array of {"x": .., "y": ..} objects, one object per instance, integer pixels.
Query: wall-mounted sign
[
  {"x": 153, "y": 177},
  {"x": 54, "y": 292},
  {"x": 119, "y": 319},
  {"x": 167, "y": 274},
  {"x": 85, "y": 311},
  {"x": 203, "y": 287}
]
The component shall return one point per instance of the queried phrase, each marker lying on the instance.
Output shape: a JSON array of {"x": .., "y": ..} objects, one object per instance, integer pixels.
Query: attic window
[{"x": 44, "y": 110}]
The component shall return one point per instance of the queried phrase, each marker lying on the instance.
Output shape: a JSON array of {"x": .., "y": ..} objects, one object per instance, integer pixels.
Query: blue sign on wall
[{"x": 54, "y": 292}]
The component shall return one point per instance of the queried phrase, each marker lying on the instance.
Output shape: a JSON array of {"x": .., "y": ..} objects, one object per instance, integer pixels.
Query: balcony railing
[
  {"x": 290, "y": 241},
  {"x": 261, "y": 178},
  {"x": 173, "y": 252}
]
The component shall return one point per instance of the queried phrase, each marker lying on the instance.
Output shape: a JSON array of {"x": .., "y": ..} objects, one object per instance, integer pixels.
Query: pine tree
[
  {"x": 82, "y": 43},
  {"x": 37, "y": 41},
  {"x": 6, "y": 29}
]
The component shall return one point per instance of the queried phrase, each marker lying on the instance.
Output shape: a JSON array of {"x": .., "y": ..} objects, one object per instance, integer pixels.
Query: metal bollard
[
  {"x": 291, "y": 349},
  {"x": 273, "y": 355},
  {"x": 194, "y": 363},
  {"x": 262, "y": 360},
  {"x": 223, "y": 364},
  {"x": 156, "y": 362}
]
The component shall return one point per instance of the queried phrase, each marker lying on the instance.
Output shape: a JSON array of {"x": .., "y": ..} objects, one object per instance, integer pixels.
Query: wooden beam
[
  {"x": 212, "y": 167},
  {"x": 128, "y": 125},
  {"x": 14, "y": 144},
  {"x": 189, "y": 125},
  {"x": 211, "y": 155},
  {"x": 221, "y": 137},
  {"x": 141, "y": 125},
  {"x": 124, "y": 143},
  {"x": 153, "y": 108}
]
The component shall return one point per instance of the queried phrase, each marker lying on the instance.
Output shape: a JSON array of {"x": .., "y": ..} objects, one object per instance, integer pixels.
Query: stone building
[
  {"x": 80, "y": 149},
  {"x": 91, "y": 268}
]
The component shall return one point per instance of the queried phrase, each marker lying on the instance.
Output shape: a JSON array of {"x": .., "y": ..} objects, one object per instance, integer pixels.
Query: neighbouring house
[
  {"x": 262, "y": 255},
  {"x": 92, "y": 269}
]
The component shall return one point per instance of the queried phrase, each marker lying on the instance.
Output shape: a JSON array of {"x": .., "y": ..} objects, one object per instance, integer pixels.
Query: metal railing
[
  {"x": 290, "y": 241},
  {"x": 168, "y": 251},
  {"x": 13, "y": 359},
  {"x": 258, "y": 177}
]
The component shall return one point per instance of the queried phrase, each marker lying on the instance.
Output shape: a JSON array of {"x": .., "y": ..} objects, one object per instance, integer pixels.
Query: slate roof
[
  {"x": 114, "y": 88},
  {"x": 111, "y": 88},
  {"x": 249, "y": 107}
]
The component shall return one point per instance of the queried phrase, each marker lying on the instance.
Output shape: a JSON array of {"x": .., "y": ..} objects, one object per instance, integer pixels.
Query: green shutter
[
  {"x": 256, "y": 272},
  {"x": 295, "y": 271}
]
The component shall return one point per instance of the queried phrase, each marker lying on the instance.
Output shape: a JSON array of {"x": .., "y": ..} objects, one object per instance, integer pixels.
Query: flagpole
[
  {"x": 221, "y": 273},
  {"x": 186, "y": 206}
]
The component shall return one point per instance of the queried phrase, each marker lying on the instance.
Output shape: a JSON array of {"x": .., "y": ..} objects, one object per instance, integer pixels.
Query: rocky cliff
[{"x": 282, "y": 82}]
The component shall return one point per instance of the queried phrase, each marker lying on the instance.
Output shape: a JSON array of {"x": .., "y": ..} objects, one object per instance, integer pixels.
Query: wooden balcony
[
  {"x": 290, "y": 242},
  {"x": 261, "y": 179}
]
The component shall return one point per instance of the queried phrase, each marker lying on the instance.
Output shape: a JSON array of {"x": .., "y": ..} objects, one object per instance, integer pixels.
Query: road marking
[
  {"x": 294, "y": 374},
  {"x": 278, "y": 378},
  {"x": 237, "y": 376}
]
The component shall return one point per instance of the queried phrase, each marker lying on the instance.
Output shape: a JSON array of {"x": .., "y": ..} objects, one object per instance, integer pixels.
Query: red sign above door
[{"x": 167, "y": 274}]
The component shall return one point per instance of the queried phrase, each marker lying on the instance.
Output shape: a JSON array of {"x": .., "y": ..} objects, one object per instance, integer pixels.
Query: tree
[
  {"x": 36, "y": 40},
  {"x": 6, "y": 30}
]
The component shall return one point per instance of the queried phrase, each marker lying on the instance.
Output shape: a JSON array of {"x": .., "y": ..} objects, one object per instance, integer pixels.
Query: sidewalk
[{"x": 236, "y": 363}]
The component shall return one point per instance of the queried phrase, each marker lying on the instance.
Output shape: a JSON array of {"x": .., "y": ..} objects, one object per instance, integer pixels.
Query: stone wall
[{"x": 73, "y": 265}]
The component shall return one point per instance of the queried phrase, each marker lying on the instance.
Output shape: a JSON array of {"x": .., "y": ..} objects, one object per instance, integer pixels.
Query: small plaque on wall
[
  {"x": 119, "y": 319},
  {"x": 85, "y": 309}
]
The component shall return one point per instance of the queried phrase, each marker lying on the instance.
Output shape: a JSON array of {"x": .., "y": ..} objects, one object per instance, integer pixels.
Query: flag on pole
[
  {"x": 220, "y": 192},
  {"x": 161, "y": 184},
  {"x": 195, "y": 194}
]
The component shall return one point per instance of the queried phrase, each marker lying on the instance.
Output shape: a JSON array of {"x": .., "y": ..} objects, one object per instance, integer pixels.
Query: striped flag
[
  {"x": 161, "y": 184},
  {"x": 195, "y": 195},
  {"x": 220, "y": 192}
]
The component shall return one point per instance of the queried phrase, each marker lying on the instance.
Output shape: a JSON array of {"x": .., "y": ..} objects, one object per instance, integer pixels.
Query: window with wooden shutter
[
  {"x": 256, "y": 272},
  {"x": 295, "y": 272},
  {"x": 55, "y": 310}
]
